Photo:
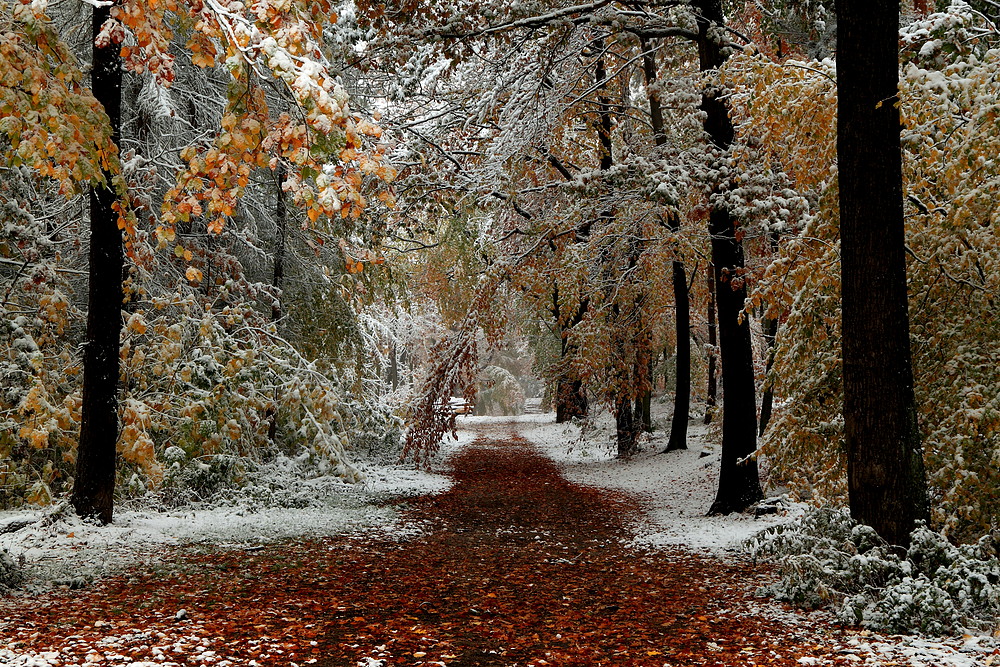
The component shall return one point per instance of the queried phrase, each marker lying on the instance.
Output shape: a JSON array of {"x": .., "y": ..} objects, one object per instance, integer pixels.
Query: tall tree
[
  {"x": 94, "y": 483},
  {"x": 885, "y": 471},
  {"x": 739, "y": 481},
  {"x": 682, "y": 310}
]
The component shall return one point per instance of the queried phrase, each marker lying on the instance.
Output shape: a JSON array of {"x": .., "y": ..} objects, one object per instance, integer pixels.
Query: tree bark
[
  {"x": 621, "y": 337},
  {"x": 739, "y": 482},
  {"x": 886, "y": 482},
  {"x": 626, "y": 428},
  {"x": 682, "y": 310},
  {"x": 713, "y": 341},
  {"x": 281, "y": 233},
  {"x": 682, "y": 395},
  {"x": 571, "y": 396},
  {"x": 770, "y": 326},
  {"x": 94, "y": 481}
]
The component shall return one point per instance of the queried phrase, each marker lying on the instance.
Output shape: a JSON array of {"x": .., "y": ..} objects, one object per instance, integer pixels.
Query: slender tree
[
  {"x": 713, "y": 388},
  {"x": 280, "y": 241},
  {"x": 682, "y": 309},
  {"x": 739, "y": 482},
  {"x": 682, "y": 395},
  {"x": 94, "y": 482},
  {"x": 885, "y": 470}
]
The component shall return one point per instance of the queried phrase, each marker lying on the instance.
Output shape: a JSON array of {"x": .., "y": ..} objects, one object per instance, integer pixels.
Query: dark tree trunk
[
  {"x": 713, "y": 341},
  {"x": 626, "y": 379},
  {"x": 739, "y": 483},
  {"x": 627, "y": 430},
  {"x": 644, "y": 377},
  {"x": 886, "y": 482},
  {"x": 94, "y": 482},
  {"x": 571, "y": 396},
  {"x": 281, "y": 233},
  {"x": 770, "y": 331},
  {"x": 682, "y": 395},
  {"x": 770, "y": 327},
  {"x": 682, "y": 311}
]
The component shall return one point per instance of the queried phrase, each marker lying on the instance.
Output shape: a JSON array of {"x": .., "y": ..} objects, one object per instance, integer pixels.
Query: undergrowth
[{"x": 826, "y": 559}]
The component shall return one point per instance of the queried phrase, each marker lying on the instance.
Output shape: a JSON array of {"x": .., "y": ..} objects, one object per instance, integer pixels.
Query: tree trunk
[
  {"x": 571, "y": 397},
  {"x": 770, "y": 327},
  {"x": 626, "y": 428},
  {"x": 739, "y": 483},
  {"x": 682, "y": 395},
  {"x": 94, "y": 482},
  {"x": 281, "y": 233},
  {"x": 713, "y": 341},
  {"x": 682, "y": 310},
  {"x": 627, "y": 432},
  {"x": 886, "y": 482}
]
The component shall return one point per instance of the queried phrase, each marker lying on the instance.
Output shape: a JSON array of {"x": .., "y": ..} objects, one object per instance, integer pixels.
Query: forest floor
[{"x": 514, "y": 565}]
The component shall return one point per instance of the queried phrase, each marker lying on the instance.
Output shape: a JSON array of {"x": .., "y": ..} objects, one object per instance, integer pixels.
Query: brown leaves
[{"x": 518, "y": 567}]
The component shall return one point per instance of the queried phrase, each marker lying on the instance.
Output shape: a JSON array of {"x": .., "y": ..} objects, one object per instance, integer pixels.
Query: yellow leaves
[
  {"x": 193, "y": 275},
  {"x": 202, "y": 59},
  {"x": 136, "y": 324}
]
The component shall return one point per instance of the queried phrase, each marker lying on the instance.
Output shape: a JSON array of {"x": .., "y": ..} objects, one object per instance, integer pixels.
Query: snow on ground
[
  {"x": 677, "y": 487},
  {"x": 55, "y": 547}
]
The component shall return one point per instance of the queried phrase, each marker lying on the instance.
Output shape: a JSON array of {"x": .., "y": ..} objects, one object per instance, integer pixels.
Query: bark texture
[
  {"x": 739, "y": 482},
  {"x": 713, "y": 341},
  {"x": 682, "y": 391},
  {"x": 770, "y": 327},
  {"x": 885, "y": 471},
  {"x": 280, "y": 241},
  {"x": 94, "y": 481}
]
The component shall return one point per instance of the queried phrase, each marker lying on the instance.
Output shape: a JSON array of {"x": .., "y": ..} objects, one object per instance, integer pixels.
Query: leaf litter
[{"x": 515, "y": 566}]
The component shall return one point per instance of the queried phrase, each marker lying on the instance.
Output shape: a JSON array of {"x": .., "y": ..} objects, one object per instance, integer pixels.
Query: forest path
[
  {"x": 525, "y": 568},
  {"x": 516, "y": 566}
]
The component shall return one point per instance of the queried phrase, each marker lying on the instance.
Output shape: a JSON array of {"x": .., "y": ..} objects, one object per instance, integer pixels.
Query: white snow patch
[
  {"x": 56, "y": 546},
  {"x": 915, "y": 651}
]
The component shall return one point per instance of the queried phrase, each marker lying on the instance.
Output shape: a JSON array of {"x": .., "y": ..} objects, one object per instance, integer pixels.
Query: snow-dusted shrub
[
  {"x": 827, "y": 559},
  {"x": 11, "y": 575},
  {"x": 499, "y": 393}
]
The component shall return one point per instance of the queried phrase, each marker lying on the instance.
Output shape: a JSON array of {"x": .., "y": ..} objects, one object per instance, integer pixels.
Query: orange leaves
[
  {"x": 53, "y": 123},
  {"x": 193, "y": 275}
]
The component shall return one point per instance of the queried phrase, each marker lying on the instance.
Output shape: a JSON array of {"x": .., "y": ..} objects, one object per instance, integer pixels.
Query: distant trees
[{"x": 885, "y": 470}]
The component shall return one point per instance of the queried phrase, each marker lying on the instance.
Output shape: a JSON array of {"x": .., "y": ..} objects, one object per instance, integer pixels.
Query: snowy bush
[
  {"x": 499, "y": 393},
  {"x": 827, "y": 559},
  {"x": 11, "y": 575}
]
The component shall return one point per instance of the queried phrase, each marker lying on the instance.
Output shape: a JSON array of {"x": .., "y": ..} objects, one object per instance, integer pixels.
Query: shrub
[{"x": 826, "y": 559}]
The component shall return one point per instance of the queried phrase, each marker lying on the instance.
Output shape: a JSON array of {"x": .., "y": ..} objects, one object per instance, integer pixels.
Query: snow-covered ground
[{"x": 55, "y": 547}]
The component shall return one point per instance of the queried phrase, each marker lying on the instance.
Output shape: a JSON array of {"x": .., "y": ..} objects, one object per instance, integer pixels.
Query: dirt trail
[{"x": 517, "y": 567}]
